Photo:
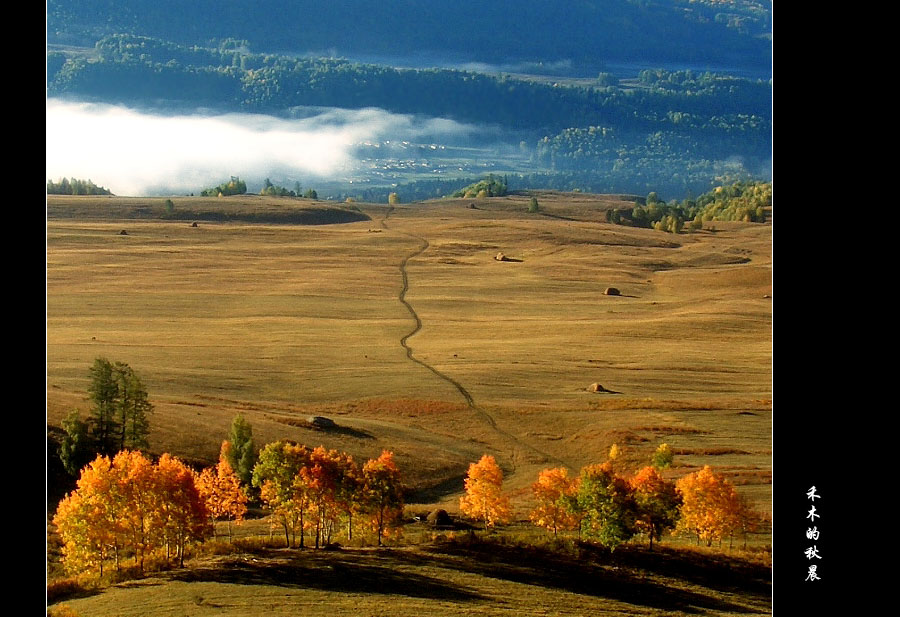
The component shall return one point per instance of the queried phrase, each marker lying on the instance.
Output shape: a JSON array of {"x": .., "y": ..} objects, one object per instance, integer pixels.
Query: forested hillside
[
  {"x": 577, "y": 33},
  {"x": 675, "y": 131},
  {"x": 130, "y": 68}
]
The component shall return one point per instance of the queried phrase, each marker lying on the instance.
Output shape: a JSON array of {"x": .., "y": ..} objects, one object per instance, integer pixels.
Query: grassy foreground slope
[
  {"x": 455, "y": 577},
  {"x": 280, "y": 322}
]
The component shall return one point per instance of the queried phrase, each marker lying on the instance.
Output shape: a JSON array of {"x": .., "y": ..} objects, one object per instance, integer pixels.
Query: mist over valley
[{"x": 139, "y": 152}]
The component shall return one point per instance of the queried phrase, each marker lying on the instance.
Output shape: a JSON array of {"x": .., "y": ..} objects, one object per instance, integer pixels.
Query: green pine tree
[
  {"x": 76, "y": 449},
  {"x": 121, "y": 406},
  {"x": 104, "y": 392},
  {"x": 133, "y": 409},
  {"x": 242, "y": 456}
]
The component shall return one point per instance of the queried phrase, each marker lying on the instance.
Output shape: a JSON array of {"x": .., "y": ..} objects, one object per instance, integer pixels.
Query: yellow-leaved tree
[
  {"x": 383, "y": 492},
  {"x": 551, "y": 491},
  {"x": 127, "y": 506},
  {"x": 139, "y": 489},
  {"x": 711, "y": 507},
  {"x": 318, "y": 481},
  {"x": 90, "y": 518},
  {"x": 221, "y": 490},
  {"x": 657, "y": 503},
  {"x": 484, "y": 499},
  {"x": 182, "y": 511}
]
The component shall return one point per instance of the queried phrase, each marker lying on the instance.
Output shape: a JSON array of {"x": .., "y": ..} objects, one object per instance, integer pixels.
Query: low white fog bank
[{"x": 137, "y": 153}]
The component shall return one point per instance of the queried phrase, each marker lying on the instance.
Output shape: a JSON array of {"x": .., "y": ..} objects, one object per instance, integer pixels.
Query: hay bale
[
  {"x": 321, "y": 422},
  {"x": 501, "y": 257},
  {"x": 612, "y": 291},
  {"x": 123, "y": 233},
  {"x": 440, "y": 518},
  {"x": 194, "y": 224},
  {"x": 595, "y": 387}
]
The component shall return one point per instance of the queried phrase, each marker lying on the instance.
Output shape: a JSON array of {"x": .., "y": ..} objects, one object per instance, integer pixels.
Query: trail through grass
[{"x": 423, "y": 246}]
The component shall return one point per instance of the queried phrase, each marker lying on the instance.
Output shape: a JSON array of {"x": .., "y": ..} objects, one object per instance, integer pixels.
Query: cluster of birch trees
[
  {"x": 127, "y": 507},
  {"x": 315, "y": 491},
  {"x": 604, "y": 506}
]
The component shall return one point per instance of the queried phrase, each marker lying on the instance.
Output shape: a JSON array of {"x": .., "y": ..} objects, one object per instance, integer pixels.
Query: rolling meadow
[{"x": 403, "y": 328}]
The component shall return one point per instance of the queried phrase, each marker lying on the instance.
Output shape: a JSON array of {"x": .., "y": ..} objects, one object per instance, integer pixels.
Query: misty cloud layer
[{"x": 137, "y": 153}]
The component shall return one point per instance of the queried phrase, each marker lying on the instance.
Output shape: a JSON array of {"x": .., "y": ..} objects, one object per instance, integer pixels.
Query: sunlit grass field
[{"x": 280, "y": 322}]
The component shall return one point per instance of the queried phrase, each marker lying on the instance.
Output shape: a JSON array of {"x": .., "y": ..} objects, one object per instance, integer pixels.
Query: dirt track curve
[{"x": 423, "y": 246}]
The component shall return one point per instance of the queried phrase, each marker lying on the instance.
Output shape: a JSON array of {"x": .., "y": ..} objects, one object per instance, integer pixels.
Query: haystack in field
[
  {"x": 123, "y": 233},
  {"x": 501, "y": 257},
  {"x": 611, "y": 291},
  {"x": 439, "y": 518},
  {"x": 321, "y": 422},
  {"x": 595, "y": 387}
]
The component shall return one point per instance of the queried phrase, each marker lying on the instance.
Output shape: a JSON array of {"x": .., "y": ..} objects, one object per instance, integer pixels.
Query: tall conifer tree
[{"x": 242, "y": 455}]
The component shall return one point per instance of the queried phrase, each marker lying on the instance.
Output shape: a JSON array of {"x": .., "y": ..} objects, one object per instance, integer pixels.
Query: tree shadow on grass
[
  {"x": 713, "y": 570},
  {"x": 357, "y": 572},
  {"x": 346, "y": 430},
  {"x": 433, "y": 493},
  {"x": 585, "y": 576}
]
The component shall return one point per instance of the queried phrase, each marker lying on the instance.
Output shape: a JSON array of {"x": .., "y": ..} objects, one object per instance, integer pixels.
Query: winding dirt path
[{"x": 423, "y": 246}]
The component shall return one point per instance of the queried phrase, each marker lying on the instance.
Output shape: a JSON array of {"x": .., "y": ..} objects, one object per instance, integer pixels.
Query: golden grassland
[{"x": 280, "y": 322}]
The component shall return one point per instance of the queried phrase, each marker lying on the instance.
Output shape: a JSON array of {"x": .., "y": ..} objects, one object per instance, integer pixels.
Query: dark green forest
[
  {"x": 576, "y": 34},
  {"x": 130, "y": 68}
]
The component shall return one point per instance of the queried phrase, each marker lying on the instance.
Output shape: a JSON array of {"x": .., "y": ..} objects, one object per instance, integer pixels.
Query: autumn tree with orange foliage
[
  {"x": 89, "y": 518},
  {"x": 221, "y": 490},
  {"x": 484, "y": 499},
  {"x": 318, "y": 480},
  {"x": 314, "y": 489},
  {"x": 182, "y": 510},
  {"x": 657, "y": 501},
  {"x": 137, "y": 487},
  {"x": 349, "y": 489},
  {"x": 127, "y": 505},
  {"x": 711, "y": 506},
  {"x": 551, "y": 490},
  {"x": 383, "y": 494}
]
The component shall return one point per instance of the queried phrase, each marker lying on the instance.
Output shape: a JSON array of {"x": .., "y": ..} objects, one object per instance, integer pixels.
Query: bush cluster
[
  {"x": 740, "y": 201},
  {"x": 492, "y": 186},
  {"x": 235, "y": 186}
]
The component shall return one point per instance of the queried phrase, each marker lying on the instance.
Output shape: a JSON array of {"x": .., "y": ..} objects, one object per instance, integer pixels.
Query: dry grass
[
  {"x": 280, "y": 322},
  {"x": 454, "y": 575}
]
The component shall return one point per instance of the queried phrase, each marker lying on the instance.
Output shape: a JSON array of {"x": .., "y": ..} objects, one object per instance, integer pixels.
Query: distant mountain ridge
[{"x": 582, "y": 34}]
